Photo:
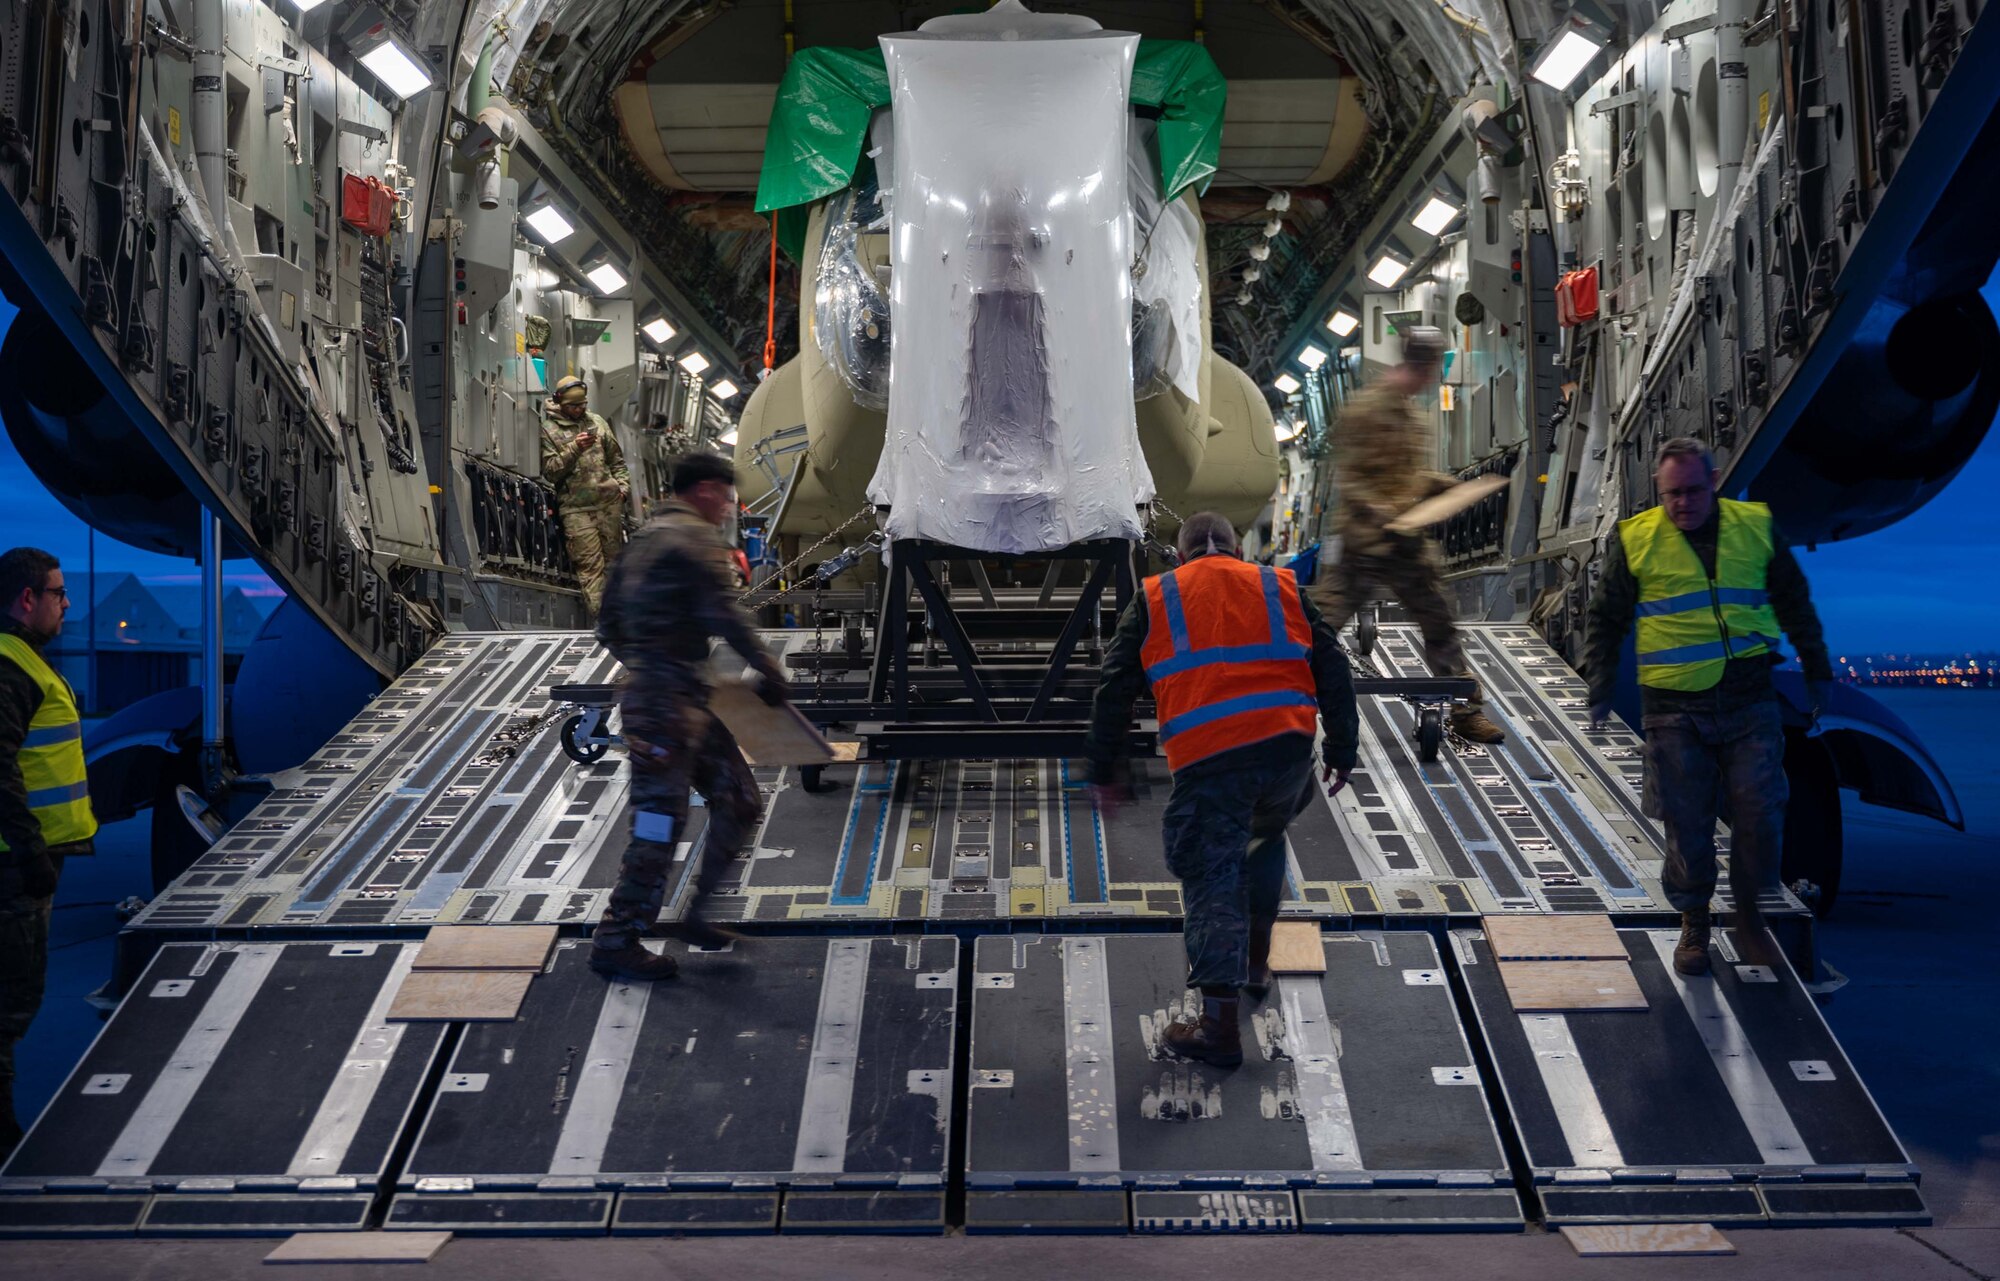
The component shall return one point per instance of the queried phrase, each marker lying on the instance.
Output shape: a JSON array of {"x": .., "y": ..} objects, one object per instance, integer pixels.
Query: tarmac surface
[{"x": 1920, "y": 1018}]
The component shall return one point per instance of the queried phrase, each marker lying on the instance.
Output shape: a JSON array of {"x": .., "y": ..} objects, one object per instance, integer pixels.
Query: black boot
[
  {"x": 695, "y": 930},
  {"x": 1691, "y": 953},
  {"x": 632, "y": 962},
  {"x": 1259, "y": 984},
  {"x": 1211, "y": 1039}
]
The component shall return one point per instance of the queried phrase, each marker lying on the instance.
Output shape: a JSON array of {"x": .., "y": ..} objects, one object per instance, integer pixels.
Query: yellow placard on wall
[
  {"x": 1763, "y": 111},
  {"x": 174, "y": 125}
]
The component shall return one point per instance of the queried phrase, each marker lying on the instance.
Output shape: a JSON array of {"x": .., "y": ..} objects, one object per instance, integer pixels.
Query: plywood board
[
  {"x": 1580, "y": 937},
  {"x": 486, "y": 947},
  {"x": 467, "y": 995},
  {"x": 1571, "y": 985},
  {"x": 768, "y": 735},
  {"x": 359, "y": 1247},
  {"x": 1613, "y": 1240},
  {"x": 1296, "y": 949},
  {"x": 1450, "y": 503}
]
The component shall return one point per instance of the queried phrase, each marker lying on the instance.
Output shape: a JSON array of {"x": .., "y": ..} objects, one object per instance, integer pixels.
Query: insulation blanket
[{"x": 1011, "y": 424}]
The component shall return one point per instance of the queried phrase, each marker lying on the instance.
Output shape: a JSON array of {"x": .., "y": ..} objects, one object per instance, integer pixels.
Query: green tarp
[{"x": 820, "y": 122}]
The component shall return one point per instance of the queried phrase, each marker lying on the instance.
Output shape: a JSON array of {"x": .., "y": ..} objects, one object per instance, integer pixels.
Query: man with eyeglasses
[
  {"x": 1711, "y": 584},
  {"x": 45, "y": 813}
]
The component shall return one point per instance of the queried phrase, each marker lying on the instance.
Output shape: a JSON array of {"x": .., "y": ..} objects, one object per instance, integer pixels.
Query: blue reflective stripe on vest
[
  {"x": 1231, "y": 706},
  {"x": 1225, "y": 654},
  {"x": 53, "y": 734},
  {"x": 1701, "y": 653},
  {"x": 1170, "y": 595},
  {"x": 58, "y": 795},
  {"x": 1752, "y": 596},
  {"x": 1274, "y": 605}
]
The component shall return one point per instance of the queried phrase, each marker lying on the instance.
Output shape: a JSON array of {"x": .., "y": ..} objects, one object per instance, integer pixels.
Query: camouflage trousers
[
  {"x": 1225, "y": 840},
  {"x": 24, "y": 964},
  {"x": 594, "y": 535},
  {"x": 676, "y": 746},
  {"x": 1375, "y": 563}
]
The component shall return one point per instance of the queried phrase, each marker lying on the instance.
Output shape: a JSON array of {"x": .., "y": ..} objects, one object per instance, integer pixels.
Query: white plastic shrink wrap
[{"x": 1011, "y": 424}]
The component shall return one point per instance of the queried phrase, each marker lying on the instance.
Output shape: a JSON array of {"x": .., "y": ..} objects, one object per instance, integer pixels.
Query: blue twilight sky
[{"x": 1926, "y": 583}]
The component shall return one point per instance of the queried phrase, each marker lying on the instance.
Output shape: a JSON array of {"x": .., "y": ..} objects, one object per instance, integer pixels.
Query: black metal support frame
[{"x": 908, "y": 569}]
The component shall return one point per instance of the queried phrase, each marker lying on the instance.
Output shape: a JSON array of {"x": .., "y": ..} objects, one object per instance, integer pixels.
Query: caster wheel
[
  {"x": 1364, "y": 634},
  {"x": 583, "y": 753},
  {"x": 1430, "y": 732}
]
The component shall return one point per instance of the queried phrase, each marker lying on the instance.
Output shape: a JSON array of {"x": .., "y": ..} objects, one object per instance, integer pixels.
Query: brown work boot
[
  {"x": 632, "y": 962},
  {"x": 1753, "y": 942},
  {"x": 1213, "y": 1038},
  {"x": 1691, "y": 953},
  {"x": 1259, "y": 984},
  {"x": 1472, "y": 725},
  {"x": 696, "y": 932}
]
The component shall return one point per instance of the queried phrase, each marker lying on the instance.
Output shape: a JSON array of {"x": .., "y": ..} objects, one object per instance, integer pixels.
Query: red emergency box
[{"x": 366, "y": 204}]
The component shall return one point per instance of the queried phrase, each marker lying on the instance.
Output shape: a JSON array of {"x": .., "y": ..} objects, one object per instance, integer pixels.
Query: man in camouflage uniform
[
  {"x": 581, "y": 458},
  {"x": 1384, "y": 448},
  {"x": 668, "y": 594}
]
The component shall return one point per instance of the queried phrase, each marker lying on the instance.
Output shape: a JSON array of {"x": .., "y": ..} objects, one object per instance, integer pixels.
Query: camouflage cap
[{"x": 572, "y": 391}]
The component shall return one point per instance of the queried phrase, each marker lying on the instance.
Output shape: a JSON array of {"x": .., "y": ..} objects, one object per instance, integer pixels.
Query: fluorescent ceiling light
[
  {"x": 727, "y": 438},
  {"x": 1565, "y": 60},
  {"x": 1435, "y": 216},
  {"x": 606, "y": 278},
  {"x": 549, "y": 224},
  {"x": 1286, "y": 429},
  {"x": 1343, "y": 323},
  {"x": 307, "y": 6},
  {"x": 1387, "y": 270},
  {"x": 723, "y": 389},
  {"x": 659, "y": 330},
  {"x": 1312, "y": 357},
  {"x": 395, "y": 68},
  {"x": 1285, "y": 383},
  {"x": 694, "y": 362}
]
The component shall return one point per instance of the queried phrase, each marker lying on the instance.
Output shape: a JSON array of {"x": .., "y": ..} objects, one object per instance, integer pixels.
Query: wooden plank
[
  {"x": 359, "y": 1247},
  {"x": 429, "y": 996},
  {"x": 1296, "y": 948},
  {"x": 1571, "y": 985},
  {"x": 1583, "y": 937},
  {"x": 768, "y": 735},
  {"x": 1450, "y": 503},
  {"x": 1614, "y": 1240},
  {"x": 486, "y": 947}
]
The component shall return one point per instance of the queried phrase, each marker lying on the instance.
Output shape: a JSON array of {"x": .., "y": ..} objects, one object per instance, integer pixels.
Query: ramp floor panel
[
  {"x": 1356, "y": 1081},
  {"x": 238, "y": 1069},
  {"x": 449, "y": 800},
  {"x": 1726, "y": 1098},
  {"x": 780, "y": 1063}
]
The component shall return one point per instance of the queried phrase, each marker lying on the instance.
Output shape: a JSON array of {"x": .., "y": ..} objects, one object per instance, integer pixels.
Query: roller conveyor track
[{"x": 425, "y": 811}]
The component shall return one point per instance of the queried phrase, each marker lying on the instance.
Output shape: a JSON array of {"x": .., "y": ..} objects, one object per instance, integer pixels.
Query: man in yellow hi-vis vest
[
  {"x": 44, "y": 801},
  {"x": 1712, "y": 585}
]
